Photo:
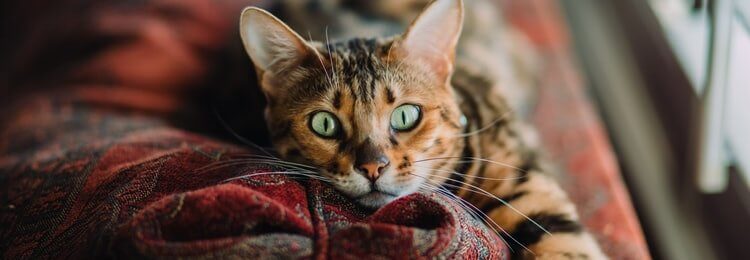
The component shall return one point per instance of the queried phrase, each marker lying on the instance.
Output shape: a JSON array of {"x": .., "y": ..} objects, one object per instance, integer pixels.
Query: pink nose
[{"x": 372, "y": 169}]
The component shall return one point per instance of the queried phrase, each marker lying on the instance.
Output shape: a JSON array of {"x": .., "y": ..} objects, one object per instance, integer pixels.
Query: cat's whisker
[
  {"x": 227, "y": 163},
  {"x": 221, "y": 166},
  {"x": 286, "y": 173},
  {"x": 279, "y": 160},
  {"x": 471, "y": 208},
  {"x": 426, "y": 188},
  {"x": 238, "y": 136},
  {"x": 429, "y": 187},
  {"x": 468, "y": 175},
  {"x": 390, "y": 48},
  {"x": 472, "y": 159},
  {"x": 270, "y": 157},
  {"x": 330, "y": 56},
  {"x": 251, "y": 159},
  {"x": 481, "y": 191},
  {"x": 486, "y": 127},
  {"x": 486, "y": 220},
  {"x": 322, "y": 65},
  {"x": 290, "y": 173},
  {"x": 236, "y": 162},
  {"x": 401, "y": 62},
  {"x": 449, "y": 181},
  {"x": 475, "y": 210}
]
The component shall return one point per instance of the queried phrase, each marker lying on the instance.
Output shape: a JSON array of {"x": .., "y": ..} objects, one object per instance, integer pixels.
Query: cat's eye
[
  {"x": 405, "y": 117},
  {"x": 324, "y": 124}
]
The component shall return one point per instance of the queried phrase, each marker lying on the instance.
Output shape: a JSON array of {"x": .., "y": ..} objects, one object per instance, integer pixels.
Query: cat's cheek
[
  {"x": 425, "y": 175},
  {"x": 396, "y": 183}
]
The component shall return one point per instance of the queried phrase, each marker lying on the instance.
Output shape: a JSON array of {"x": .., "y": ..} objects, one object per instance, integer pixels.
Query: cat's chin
[{"x": 375, "y": 199}]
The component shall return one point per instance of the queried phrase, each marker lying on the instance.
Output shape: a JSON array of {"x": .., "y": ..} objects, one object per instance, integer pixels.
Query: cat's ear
[
  {"x": 270, "y": 43},
  {"x": 431, "y": 39}
]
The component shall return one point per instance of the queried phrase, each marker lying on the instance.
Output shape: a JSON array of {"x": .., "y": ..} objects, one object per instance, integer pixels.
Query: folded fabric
[{"x": 275, "y": 217}]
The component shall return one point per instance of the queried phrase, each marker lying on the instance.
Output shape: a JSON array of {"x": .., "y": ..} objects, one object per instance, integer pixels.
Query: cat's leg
[{"x": 533, "y": 200}]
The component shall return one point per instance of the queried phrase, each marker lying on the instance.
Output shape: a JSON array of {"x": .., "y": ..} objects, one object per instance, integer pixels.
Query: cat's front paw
[{"x": 566, "y": 246}]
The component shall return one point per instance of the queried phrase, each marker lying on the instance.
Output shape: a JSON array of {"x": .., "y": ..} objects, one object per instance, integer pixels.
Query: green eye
[
  {"x": 405, "y": 117},
  {"x": 324, "y": 124}
]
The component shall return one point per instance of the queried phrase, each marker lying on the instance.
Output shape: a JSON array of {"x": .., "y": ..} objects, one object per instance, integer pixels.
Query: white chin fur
[{"x": 375, "y": 200}]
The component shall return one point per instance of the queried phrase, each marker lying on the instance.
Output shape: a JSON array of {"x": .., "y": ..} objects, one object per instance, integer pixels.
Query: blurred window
[
  {"x": 687, "y": 26},
  {"x": 737, "y": 107},
  {"x": 711, "y": 39}
]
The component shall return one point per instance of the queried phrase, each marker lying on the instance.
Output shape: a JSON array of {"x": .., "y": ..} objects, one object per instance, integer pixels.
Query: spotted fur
[{"x": 362, "y": 80}]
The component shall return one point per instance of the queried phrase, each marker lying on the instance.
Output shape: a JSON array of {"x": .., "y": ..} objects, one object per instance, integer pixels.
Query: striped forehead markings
[
  {"x": 337, "y": 99},
  {"x": 357, "y": 66},
  {"x": 389, "y": 97}
]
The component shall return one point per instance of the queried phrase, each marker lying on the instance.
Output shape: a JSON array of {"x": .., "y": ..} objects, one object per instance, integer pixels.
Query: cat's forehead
[
  {"x": 358, "y": 66},
  {"x": 355, "y": 67},
  {"x": 358, "y": 70}
]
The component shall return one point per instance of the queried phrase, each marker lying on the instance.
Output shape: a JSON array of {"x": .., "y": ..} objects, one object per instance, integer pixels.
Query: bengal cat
[{"x": 384, "y": 117}]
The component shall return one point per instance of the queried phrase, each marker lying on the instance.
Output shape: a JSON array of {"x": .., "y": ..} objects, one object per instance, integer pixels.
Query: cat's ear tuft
[
  {"x": 270, "y": 43},
  {"x": 432, "y": 37}
]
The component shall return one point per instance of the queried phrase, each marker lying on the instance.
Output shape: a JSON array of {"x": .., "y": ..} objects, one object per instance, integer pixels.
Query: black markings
[
  {"x": 462, "y": 168},
  {"x": 405, "y": 164},
  {"x": 528, "y": 233},
  {"x": 389, "y": 98},
  {"x": 333, "y": 169},
  {"x": 337, "y": 100},
  {"x": 447, "y": 118},
  {"x": 393, "y": 140},
  {"x": 293, "y": 153},
  {"x": 358, "y": 66},
  {"x": 473, "y": 111},
  {"x": 529, "y": 164},
  {"x": 345, "y": 147},
  {"x": 523, "y": 177}
]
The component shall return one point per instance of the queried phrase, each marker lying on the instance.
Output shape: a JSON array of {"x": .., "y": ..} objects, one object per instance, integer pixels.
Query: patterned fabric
[{"x": 101, "y": 156}]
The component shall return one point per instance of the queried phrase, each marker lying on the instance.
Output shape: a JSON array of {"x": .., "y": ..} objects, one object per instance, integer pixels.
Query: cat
[{"x": 384, "y": 117}]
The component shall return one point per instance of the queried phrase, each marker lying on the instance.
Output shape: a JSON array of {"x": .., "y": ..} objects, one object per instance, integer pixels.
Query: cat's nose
[
  {"x": 373, "y": 169},
  {"x": 370, "y": 160}
]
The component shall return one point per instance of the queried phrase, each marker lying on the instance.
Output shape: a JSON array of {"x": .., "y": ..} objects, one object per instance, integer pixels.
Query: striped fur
[{"x": 362, "y": 80}]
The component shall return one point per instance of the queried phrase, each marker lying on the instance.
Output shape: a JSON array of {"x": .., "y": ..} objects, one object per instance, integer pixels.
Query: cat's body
[{"x": 382, "y": 117}]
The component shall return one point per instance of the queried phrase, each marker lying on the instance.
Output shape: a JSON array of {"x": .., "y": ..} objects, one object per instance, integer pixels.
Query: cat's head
[{"x": 371, "y": 114}]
